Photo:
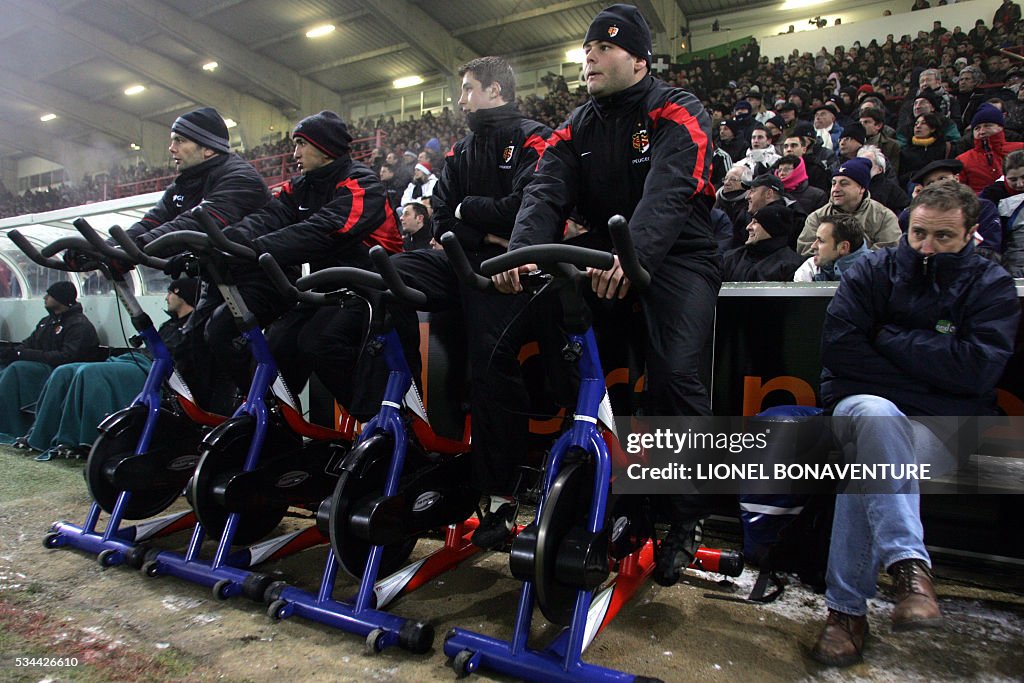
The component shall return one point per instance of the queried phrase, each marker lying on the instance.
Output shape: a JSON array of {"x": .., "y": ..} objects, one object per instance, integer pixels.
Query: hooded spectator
[
  {"x": 984, "y": 163},
  {"x": 766, "y": 255}
]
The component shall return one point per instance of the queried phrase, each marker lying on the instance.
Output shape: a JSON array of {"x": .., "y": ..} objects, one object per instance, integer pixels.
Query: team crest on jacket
[
  {"x": 613, "y": 31},
  {"x": 506, "y": 154},
  {"x": 641, "y": 141}
]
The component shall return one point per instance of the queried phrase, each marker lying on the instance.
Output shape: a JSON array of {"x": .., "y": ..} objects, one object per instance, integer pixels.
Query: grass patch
[{"x": 25, "y": 478}]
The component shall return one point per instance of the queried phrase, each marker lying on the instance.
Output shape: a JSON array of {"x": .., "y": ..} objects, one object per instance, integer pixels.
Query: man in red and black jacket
[
  {"x": 330, "y": 215},
  {"x": 477, "y": 198},
  {"x": 643, "y": 149}
]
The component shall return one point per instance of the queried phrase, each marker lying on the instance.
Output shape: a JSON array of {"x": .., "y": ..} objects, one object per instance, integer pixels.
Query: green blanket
[
  {"x": 78, "y": 396},
  {"x": 20, "y": 384}
]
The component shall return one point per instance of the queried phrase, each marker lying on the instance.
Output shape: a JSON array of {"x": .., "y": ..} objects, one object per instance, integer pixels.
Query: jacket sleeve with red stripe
[
  {"x": 234, "y": 193},
  {"x": 357, "y": 209},
  {"x": 680, "y": 172},
  {"x": 548, "y": 199},
  {"x": 497, "y": 215}
]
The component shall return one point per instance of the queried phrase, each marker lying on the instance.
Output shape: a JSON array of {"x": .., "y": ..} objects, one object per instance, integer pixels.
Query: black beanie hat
[
  {"x": 855, "y": 131},
  {"x": 185, "y": 287},
  {"x": 622, "y": 25},
  {"x": 775, "y": 218},
  {"x": 325, "y": 131},
  {"x": 205, "y": 127},
  {"x": 64, "y": 292}
]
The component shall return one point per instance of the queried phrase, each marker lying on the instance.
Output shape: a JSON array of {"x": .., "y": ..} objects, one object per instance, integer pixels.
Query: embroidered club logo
[
  {"x": 641, "y": 142},
  {"x": 613, "y": 31},
  {"x": 58, "y": 329},
  {"x": 506, "y": 154}
]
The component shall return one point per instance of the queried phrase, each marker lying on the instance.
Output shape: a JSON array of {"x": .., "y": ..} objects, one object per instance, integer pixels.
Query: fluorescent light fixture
[
  {"x": 210, "y": 66},
  {"x": 47, "y": 117},
  {"x": 800, "y": 4},
  {"x": 575, "y": 55},
  {"x": 134, "y": 89},
  {"x": 134, "y": 147},
  {"x": 230, "y": 123},
  {"x": 320, "y": 31},
  {"x": 407, "y": 81}
]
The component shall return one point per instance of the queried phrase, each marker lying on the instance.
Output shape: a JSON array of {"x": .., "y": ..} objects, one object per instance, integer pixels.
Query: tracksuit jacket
[
  {"x": 227, "y": 185},
  {"x": 322, "y": 215},
  {"x": 509, "y": 147},
  {"x": 931, "y": 334},
  {"x": 65, "y": 338},
  {"x": 640, "y": 153}
]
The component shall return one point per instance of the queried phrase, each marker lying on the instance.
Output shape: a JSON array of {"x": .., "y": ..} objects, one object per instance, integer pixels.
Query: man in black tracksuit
[
  {"x": 229, "y": 188},
  {"x": 477, "y": 198},
  {"x": 642, "y": 149},
  {"x": 330, "y": 215}
]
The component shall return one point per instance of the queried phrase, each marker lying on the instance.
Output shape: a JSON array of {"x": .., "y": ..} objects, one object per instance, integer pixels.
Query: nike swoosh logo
[
  {"x": 583, "y": 154},
  {"x": 303, "y": 208}
]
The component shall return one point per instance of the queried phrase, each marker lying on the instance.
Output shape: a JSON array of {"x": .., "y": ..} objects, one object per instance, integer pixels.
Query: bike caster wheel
[
  {"x": 374, "y": 642},
  {"x": 151, "y": 568},
  {"x": 136, "y": 556},
  {"x": 222, "y": 590},
  {"x": 52, "y": 540},
  {"x": 109, "y": 558},
  {"x": 276, "y": 609},
  {"x": 463, "y": 663}
]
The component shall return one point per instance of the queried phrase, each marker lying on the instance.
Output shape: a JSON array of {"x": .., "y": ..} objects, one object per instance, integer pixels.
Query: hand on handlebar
[
  {"x": 76, "y": 259},
  {"x": 508, "y": 281},
  {"x": 184, "y": 262},
  {"x": 606, "y": 283}
]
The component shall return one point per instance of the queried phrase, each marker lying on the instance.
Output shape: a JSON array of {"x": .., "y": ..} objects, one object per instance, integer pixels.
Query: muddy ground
[{"x": 121, "y": 625}]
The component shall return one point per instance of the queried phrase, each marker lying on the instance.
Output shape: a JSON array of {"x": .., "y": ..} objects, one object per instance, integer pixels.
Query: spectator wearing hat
[
  {"x": 850, "y": 195},
  {"x": 883, "y": 188},
  {"x": 928, "y": 143},
  {"x": 801, "y": 99},
  {"x": 989, "y": 234},
  {"x": 329, "y": 215},
  {"x": 762, "y": 155},
  {"x": 789, "y": 114},
  {"x": 731, "y": 140},
  {"x": 838, "y": 244},
  {"x": 873, "y": 121},
  {"x": 765, "y": 256},
  {"x": 792, "y": 171},
  {"x": 850, "y": 142},
  {"x": 758, "y": 111},
  {"x": 764, "y": 190},
  {"x": 827, "y": 130},
  {"x": 774, "y": 126},
  {"x": 77, "y": 396},
  {"x": 731, "y": 196},
  {"x": 422, "y": 184},
  {"x": 983, "y": 164},
  {"x": 65, "y": 335}
]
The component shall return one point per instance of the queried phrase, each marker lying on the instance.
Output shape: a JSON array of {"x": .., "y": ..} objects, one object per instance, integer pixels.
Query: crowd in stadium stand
[{"x": 829, "y": 91}]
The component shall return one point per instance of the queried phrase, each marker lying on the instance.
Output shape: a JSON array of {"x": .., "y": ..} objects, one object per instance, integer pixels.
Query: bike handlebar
[
  {"x": 179, "y": 241},
  {"x": 623, "y": 241},
  {"x": 99, "y": 245},
  {"x": 355, "y": 279},
  {"x": 460, "y": 264},
  {"x": 548, "y": 256},
  {"x": 393, "y": 280},
  {"x": 133, "y": 251},
  {"x": 33, "y": 254},
  {"x": 218, "y": 237}
]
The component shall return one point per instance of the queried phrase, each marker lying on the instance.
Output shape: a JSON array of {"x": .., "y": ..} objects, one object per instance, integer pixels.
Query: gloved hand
[
  {"x": 184, "y": 262},
  {"x": 119, "y": 267},
  {"x": 76, "y": 259}
]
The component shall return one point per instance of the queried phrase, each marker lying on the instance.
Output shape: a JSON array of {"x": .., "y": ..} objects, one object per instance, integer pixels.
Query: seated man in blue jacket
[
  {"x": 65, "y": 335},
  {"x": 921, "y": 329}
]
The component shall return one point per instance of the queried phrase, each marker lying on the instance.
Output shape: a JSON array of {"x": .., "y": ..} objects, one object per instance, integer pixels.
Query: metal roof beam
[
  {"x": 522, "y": 16},
  {"x": 426, "y": 34}
]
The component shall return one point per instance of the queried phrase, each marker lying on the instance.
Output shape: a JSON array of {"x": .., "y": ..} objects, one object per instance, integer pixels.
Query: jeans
[{"x": 874, "y": 528}]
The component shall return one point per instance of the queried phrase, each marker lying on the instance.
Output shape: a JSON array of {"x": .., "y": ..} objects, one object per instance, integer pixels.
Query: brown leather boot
[
  {"x": 917, "y": 606},
  {"x": 841, "y": 643}
]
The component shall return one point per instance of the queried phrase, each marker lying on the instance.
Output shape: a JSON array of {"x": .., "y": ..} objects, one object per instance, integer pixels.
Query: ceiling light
[
  {"x": 575, "y": 55},
  {"x": 134, "y": 89},
  {"x": 47, "y": 117},
  {"x": 320, "y": 31},
  {"x": 210, "y": 66},
  {"x": 134, "y": 147},
  {"x": 230, "y": 123},
  {"x": 407, "y": 81}
]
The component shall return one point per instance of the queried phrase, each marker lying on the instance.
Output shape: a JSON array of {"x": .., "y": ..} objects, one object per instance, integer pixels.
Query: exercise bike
[
  {"x": 145, "y": 452},
  {"x": 400, "y": 482},
  {"x": 582, "y": 532},
  {"x": 256, "y": 465}
]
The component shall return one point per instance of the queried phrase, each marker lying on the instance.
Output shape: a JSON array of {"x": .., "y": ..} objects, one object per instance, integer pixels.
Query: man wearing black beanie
[
  {"x": 643, "y": 149},
  {"x": 329, "y": 215}
]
